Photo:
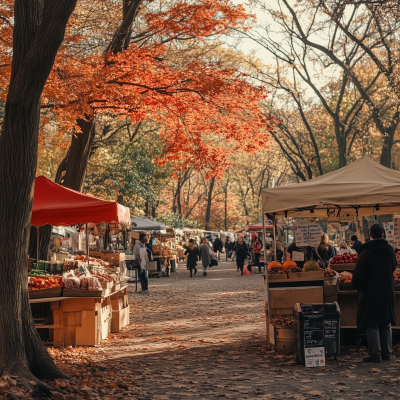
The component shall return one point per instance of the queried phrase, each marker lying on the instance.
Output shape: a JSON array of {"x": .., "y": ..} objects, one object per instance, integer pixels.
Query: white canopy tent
[{"x": 359, "y": 189}]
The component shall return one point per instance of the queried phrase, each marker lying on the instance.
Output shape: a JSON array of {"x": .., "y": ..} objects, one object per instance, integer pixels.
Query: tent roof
[
  {"x": 56, "y": 205},
  {"x": 258, "y": 227},
  {"x": 146, "y": 224},
  {"x": 360, "y": 185}
]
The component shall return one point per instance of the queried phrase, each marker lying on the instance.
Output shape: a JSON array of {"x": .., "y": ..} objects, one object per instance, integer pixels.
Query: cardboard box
[
  {"x": 120, "y": 319},
  {"x": 288, "y": 297}
]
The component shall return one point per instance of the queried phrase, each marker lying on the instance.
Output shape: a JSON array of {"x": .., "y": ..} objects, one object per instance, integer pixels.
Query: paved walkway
[{"x": 204, "y": 338}]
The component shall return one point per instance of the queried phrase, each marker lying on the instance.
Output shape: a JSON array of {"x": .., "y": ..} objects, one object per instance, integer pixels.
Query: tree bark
[
  {"x": 38, "y": 32},
  {"x": 209, "y": 201}
]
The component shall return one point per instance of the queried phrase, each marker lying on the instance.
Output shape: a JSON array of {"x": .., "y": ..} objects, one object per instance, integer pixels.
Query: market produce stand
[
  {"x": 362, "y": 188},
  {"x": 81, "y": 316}
]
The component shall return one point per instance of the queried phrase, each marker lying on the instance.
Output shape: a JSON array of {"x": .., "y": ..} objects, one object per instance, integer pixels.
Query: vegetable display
[
  {"x": 311, "y": 265},
  {"x": 44, "y": 282},
  {"x": 329, "y": 273},
  {"x": 345, "y": 277},
  {"x": 396, "y": 276},
  {"x": 282, "y": 321},
  {"x": 289, "y": 264},
  {"x": 346, "y": 258}
]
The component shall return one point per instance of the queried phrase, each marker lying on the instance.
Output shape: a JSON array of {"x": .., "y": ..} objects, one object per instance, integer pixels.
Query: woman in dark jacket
[
  {"x": 373, "y": 278},
  {"x": 241, "y": 250},
  {"x": 193, "y": 256}
]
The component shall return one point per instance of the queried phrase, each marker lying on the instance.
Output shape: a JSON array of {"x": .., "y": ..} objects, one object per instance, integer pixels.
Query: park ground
[{"x": 204, "y": 338}]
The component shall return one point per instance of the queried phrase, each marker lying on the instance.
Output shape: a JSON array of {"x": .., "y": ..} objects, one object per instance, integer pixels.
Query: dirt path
[{"x": 204, "y": 338}]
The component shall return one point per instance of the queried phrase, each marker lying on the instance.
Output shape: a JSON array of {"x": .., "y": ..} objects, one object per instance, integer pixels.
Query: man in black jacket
[
  {"x": 373, "y": 278},
  {"x": 355, "y": 243}
]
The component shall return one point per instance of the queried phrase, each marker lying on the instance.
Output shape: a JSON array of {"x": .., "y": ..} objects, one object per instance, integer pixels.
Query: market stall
[
  {"x": 79, "y": 299},
  {"x": 362, "y": 188}
]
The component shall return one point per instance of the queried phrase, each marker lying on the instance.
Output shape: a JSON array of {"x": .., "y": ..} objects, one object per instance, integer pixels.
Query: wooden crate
[
  {"x": 45, "y": 293},
  {"x": 120, "y": 319},
  {"x": 84, "y": 293},
  {"x": 342, "y": 267}
]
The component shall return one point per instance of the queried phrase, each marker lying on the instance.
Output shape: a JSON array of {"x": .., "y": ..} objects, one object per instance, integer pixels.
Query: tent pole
[
  {"x": 87, "y": 246},
  {"x": 265, "y": 263},
  {"x": 37, "y": 246}
]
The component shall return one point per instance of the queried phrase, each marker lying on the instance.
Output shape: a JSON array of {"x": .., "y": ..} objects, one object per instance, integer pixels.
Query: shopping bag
[{"x": 245, "y": 270}]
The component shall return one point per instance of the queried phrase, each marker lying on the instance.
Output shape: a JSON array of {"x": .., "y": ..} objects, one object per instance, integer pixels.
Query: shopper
[
  {"x": 373, "y": 278},
  {"x": 333, "y": 247},
  {"x": 205, "y": 255},
  {"x": 192, "y": 253},
  {"x": 140, "y": 252},
  {"x": 279, "y": 252},
  {"x": 228, "y": 247},
  {"x": 241, "y": 251},
  {"x": 325, "y": 250},
  {"x": 308, "y": 253},
  {"x": 355, "y": 243},
  {"x": 344, "y": 248},
  {"x": 217, "y": 247},
  {"x": 256, "y": 248}
]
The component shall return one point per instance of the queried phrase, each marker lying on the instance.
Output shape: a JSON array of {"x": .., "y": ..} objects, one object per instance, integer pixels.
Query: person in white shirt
[
  {"x": 344, "y": 248},
  {"x": 140, "y": 252}
]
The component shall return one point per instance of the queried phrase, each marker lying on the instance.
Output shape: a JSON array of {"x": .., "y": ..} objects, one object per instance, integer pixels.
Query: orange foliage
[{"x": 189, "y": 102}]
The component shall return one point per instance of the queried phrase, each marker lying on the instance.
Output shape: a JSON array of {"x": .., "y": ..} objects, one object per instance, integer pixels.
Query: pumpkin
[
  {"x": 274, "y": 264},
  {"x": 288, "y": 264}
]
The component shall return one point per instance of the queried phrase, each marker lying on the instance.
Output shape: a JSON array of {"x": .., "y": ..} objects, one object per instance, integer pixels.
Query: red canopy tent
[
  {"x": 56, "y": 205},
  {"x": 258, "y": 227}
]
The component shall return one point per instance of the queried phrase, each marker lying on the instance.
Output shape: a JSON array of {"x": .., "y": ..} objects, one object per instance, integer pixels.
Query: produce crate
[
  {"x": 120, "y": 319},
  {"x": 44, "y": 293},
  {"x": 107, "y": 285},
  {"x": 84, "y": 293},
  {"x": 305, "y": 276},
  {"x": 282, "y": 337},
  {"x": 342, "y": 267},
  {"x": 346, "y": 286}
]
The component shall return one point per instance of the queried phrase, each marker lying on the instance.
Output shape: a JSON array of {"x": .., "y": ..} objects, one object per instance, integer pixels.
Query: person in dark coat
[
  {"x": 193, "y": 256},
  {"x": 373, "y": 278},
  {"x": 355, "y": 243},
  {"x": 241, "y": 251},
  {"x": 217, "y": 247}
]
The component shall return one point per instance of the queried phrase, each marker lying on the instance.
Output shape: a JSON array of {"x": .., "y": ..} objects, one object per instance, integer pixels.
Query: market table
[{"x": 85, "y": 321}]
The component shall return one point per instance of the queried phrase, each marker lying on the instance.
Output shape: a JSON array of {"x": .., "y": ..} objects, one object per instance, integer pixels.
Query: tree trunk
[
  {"x": 386, "y": 155},
  {"x": 44, "y": 241},
  {"x": 209, "y": 200},
  {"x": 38, "y": 32},
  {"x": 226, "y": 208}
]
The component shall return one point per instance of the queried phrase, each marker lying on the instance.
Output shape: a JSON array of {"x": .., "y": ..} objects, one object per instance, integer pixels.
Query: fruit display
[
  {"x": 294, "y": 269},
  {"x": 282, "y": 321},
  {"x": 329, "y": 273},
  {"x": 346, "y": 258},
  {"x": 276, "y": 271},
  {"x": 345, "y": 277},
  {"x": 163, "y": 251},
  {"x": 311, "y": 265},
  {"x": 274, "y": 264},
  {"x": 396, "y": 276},
  {"x": 44, "y": 282},
  {"x": 398, "y": 257}
]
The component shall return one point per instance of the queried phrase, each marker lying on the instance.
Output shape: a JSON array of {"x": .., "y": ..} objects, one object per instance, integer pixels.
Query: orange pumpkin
[
  {"x": 274, "y": 264},
  {"x": 288, "y": 264}
]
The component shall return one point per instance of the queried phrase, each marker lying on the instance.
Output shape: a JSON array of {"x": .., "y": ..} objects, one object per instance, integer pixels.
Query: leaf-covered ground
[{"x": 204, "y": 338}]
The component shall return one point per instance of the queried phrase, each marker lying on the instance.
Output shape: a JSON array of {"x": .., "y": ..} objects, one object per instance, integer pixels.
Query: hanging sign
[
  {"x": 307, "y": 233},
  {"x": 396, "y": 232},
  {"x": 389, "y": 232}
]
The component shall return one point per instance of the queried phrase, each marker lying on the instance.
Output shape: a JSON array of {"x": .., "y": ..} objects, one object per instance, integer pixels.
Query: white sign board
[
  {"x": 297, "y": 256},
  {"x": 389, "y": 232},
  {"x": 307, "y": 234},
  {"x": 314, "y": 357},
  {"x": 396, "y": 230}
]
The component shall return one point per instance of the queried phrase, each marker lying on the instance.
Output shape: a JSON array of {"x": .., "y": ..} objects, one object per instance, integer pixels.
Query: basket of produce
[
  {"x": 45, "y": 286},
  {"x": 345, "y": 281},
  {"x": 344, "y": 262}
]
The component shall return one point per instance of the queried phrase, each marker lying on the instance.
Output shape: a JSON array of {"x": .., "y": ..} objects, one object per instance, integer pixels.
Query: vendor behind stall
[
  {"x": 373, "y": 278},
  {"x": 301, "y": 254},
  {"x": 325, "y": 250}
]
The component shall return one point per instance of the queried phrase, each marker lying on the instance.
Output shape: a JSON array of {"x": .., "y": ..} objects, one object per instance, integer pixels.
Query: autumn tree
[{"x": 38, "y": 32}]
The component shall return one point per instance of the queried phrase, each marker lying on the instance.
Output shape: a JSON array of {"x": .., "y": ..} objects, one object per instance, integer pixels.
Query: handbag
[{"x": 214, "y": 262}]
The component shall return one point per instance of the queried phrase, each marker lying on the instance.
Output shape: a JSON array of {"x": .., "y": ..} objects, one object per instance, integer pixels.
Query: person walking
[
  {"x": 227, "y": 249},
  {"x": 241, "y": 251},
  {"x": 279, "y": 252},
  {"x": 373, "y": 278},
  {"x": 140, "y": 252},
  {"x": 205, "y": 255},
  {"x": 192, "y": 253},
  {"x": 256, "y": 248},
  {"x": 355, "y": 243},
  {"x": 217, "y": 247}
]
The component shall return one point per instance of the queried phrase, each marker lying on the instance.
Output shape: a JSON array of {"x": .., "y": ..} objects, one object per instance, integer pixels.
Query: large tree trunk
[
  {"x": 44, "y": 240},
  {"x": 38, "y": 32},
  {"x": 209, "y": 201},
  {"x": 386, "y": 155}
]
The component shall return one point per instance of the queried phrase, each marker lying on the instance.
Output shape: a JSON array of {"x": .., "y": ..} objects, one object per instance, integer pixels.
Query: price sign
[
  {"x": 389, "y": 232},
  {"x": 396, "y": 230},
  {"x": 307, "y": 234}
]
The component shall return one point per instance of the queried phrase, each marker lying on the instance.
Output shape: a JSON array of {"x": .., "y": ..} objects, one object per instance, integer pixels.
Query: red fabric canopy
[
  {"x": 56, "y": 205},
  {"x": 258, "y": 227}
]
